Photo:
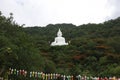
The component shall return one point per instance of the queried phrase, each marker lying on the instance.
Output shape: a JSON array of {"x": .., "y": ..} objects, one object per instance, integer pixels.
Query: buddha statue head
[{"x": 59, "y": 34}]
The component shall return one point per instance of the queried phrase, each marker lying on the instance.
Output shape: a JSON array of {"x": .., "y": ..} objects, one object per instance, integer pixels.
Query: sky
[{"x": 44, "y": 12}]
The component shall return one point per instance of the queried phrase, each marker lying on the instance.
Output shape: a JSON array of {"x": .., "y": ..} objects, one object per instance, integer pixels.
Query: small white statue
[{"x": 59, "y": 40}]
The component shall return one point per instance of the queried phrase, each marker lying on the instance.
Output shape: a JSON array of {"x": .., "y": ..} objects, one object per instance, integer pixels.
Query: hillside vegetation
[{"x": 94, "y": 49}]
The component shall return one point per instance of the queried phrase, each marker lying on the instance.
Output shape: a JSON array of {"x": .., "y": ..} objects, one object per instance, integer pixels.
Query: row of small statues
[{"x": 55, "y": 76}]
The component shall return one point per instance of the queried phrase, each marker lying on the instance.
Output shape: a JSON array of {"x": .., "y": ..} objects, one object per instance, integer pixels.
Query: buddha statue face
[{"x": 59, "y": 34}]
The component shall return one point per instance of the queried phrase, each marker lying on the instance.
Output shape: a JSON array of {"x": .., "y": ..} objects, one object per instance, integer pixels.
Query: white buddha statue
[{"x": 59, "y": 40}]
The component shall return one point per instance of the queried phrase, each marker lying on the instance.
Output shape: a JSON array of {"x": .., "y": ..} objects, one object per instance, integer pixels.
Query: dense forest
[{"x": 94, "y": 49}]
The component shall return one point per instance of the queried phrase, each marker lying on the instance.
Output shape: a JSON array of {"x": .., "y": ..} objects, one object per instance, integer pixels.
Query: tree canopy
[{"x": 93, "y": 48}]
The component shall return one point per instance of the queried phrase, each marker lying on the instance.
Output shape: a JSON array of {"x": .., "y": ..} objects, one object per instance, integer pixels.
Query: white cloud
[
  {"x": 114, "y": 6},
  {"x": 43, "y": 12}
]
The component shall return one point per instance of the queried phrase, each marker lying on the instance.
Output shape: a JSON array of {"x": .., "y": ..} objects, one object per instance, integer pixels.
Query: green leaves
[
  {"x": 17, "y": 49},
  {"x": 92, "y": 49}
]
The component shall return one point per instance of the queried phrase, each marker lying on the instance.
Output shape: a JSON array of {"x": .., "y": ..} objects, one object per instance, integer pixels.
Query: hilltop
[{"x": 93, "y": 48}]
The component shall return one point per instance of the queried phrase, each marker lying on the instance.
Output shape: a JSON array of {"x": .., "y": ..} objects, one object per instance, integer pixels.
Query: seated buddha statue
[{"x": 59, "y": 40}]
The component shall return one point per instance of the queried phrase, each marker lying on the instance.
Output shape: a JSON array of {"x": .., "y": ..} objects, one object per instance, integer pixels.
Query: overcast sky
[{"x": 44, "y": 12}]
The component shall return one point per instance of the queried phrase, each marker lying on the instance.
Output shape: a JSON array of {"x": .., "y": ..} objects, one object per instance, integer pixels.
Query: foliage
[
  {"x": 92, "y": 49},
  {"x": 17, "y": 49}
]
